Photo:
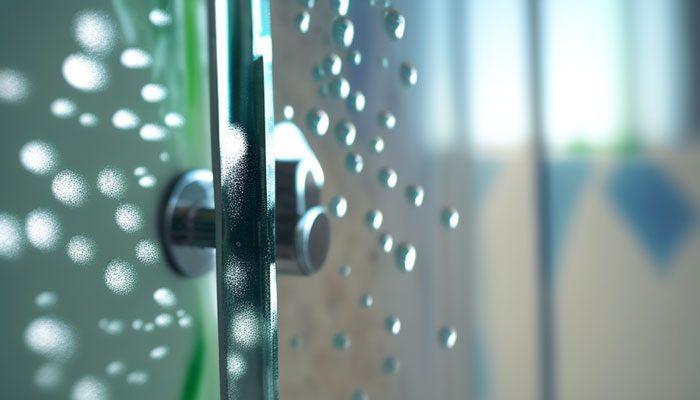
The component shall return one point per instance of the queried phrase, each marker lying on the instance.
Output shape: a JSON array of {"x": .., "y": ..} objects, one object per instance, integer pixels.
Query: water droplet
[
  {"x": 185, "y": 321},
  {"x": 295, "y": 342},
  {"x": 354, "y": 163},
  {"x": 111, "y": 182},
  {"x": 288, "y": 112},
  {"x": 341, "y": 342},
  {"x": 114, "y": 327},
  {"x": 174, "y": 120},
  {"x": 147, "y": 251},
  {"x": 136, "y": 59},
  {"x": 388, "y": 178},
  {"x": 235, "y": 365},
  {"x": 89, "y": 388},
  {"x": 374, "y": 219},
  {"x": 377, "y": 145},
  {"x": 43, "y": 229},
  {"x": 340, "y": 6},
  {"x": 405, "y": 257},
  {"x": 158, "y": 353},
  {"x": 165, "y": 297},
  {"x": 303, "y": 21},
  {"x": 356, "y": 101},
  {"x": 38, "y": 157},
  {"x": 63, "y": 108},
  {"x": 14, "y": 86},
  {"x": 164, "y": 320},
  {"x": 386, "y": 242},
  {"x": 120, "y": 277},
  {"x": 450, "y": 217},
  {"x": 85, "y": 73},
  {"x": 391, "y": 365},
  {"x": 360, "y": 395},
  {"x": 394, "y": 23},
  {"x": 448, "y": 337},
  {"x": 386, "y": 120},
  {"x": 94, "y": 31},
  {"x": 128, "y": 218},
  {"x": 154, "y": 92},
  {"x": 245, "y": 329},
  {"x": 50, "y": 337},
  {"x": 153, "y": 132},
  {"x": 366, "y": 301},
  {"x": 11, "y": 241},
  {"x": 137, "y": 324},
  {"x": 81, "y": 250},
  {"x": 115, "y": 368},
  {"x": 69, "y": 188},
  {"x": 149, "y": 327},
  {"x": 317, "y": 72},
  {"x": 342, "y": 32},
  {"x": 164, "y": 156},
  {"x": 160, "y": 17},
  {"x": 408, "y": 74},
  {"x": 332, "y": 64},
  {"x": 355, "y": 57},
  {"x": 137, "y": 378},
  {"x": 338, "y": 206},
  {"x": 392, "y": 324},
  {"x": 46, "y": 300},
  {"x": 49, "y": 376},
  {"x": 415, "y": 195},
  {"x": 125, "y": 119},
  {"x": 345, "y": 133},
  {"x": 344, "y": 270},
  {"x": 147, "y": 181},
  {"x": 307, "y": 3},
  {"x": 140, "y": 171},
  {"x": 88, "y": 120},
  {"x": 339, "y": 87},
  {"x": 318, "y": 121},
  {"x": 384, "y": 62}
]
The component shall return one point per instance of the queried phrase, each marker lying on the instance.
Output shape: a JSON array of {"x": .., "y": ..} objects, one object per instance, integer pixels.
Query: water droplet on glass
[
  {"x": 394, "y": 23},
  {"x": 318, "y": 121},
  {"x": 288, "y": 112},
  {"x": 405, "y": 257},
  {"x": 120, "y": 277},
  {"x": 128, "y": 218},
  {"x": 153, "y": 132},
  {"x": 147, "y": 251},
  {"x": 339, "y": 87},
  {"x": 388, "y": 178},
  {"x": 165, "y": 297},
  {"x": 450, "y": 217},
  {"x": 185, "y": 321},
  {"x": 341, "y": 342},
  {"x": 38, "y": 157},
  {"x": 384, "y": 62},
  {"x": 392, "y": 324},
  {"x": 374, "y": 219},
  {"x": 340, "y": 6},
  {"x": 147, "y": 181},
  {"x": 338, "y": 206},
  {"x": 163, "y": 320},
  {"x": 235, "y": 365},
  {"x": 63, "y": 108},
  {"x": 114, "y": 327},
  {"x": 317, "y": 72},
  {"x": 408, "y": 74},
  {"x": 115, "y": 368},
  {"x": 377, "y": 145},
  {"x": 69, "y": 188},
  {"x": 386, "y": 120},
  {"x": 164, "y": 156},
  {"x": 354, "y": 163},
  {"x": 332, "y": 64},
  {"x": 140, "y": 171},
  {"x": 11, "y": 238},
  {"x": 360, "y": 395},
  {"x": 295, "y": 342},
  {"x": 391, "y": 365},
  {"x": 448, "y": 337},
  {"x": 14, "y": 86},
  {"x": 136, "y": 59},
  {"x": 174, "y": 120},
  {"x": 50, "y": 337},
  {"x": 415, "y": 195},
  {"x": 137, "y": 378},
  {"x": 149, "y": 327},
  {"x": 158, "y": 353},
  {"x": 125, "y": 119},
  {"x": 111, "y": 182},
  {"x": 366, "y": 301},
  {"x": 345, "y": 133},
  {"x": 386, "y": 242},
  {"x": 245, "y": 329},
  {"x": 355, "y": 57},
  {"x": 307, "y": 3},
  {"x": 85, "y": 73},
  {"x": 89, "y": 388},
  {"x": 160, "y": 17},
  {"x": 303, "y": 21},
  {"x": 342, "y": 32},
  {"x": 49, "y": 376},
  {"x": 154, "y": 92},
  {"x": 137, "y": 324},
  {"x": 344, "y": 270},
  {"x": 356, "y": 101},
  {"x": 88, "y": 120},
  {"x": 81, "y": 250},
  {"x": 94, "y": 31},
  {"x": 46, "y": 300},
  {"x": 43, "y": 229}
]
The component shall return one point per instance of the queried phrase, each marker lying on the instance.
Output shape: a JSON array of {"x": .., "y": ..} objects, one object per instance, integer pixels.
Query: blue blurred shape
[{"x": 656, "y": 209}]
